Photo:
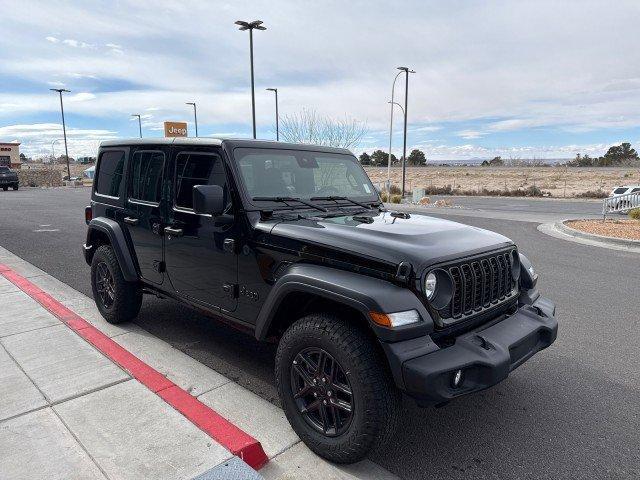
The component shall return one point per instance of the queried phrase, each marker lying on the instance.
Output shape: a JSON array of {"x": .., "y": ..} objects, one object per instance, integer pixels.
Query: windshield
[{"x": 302, "y": 174}]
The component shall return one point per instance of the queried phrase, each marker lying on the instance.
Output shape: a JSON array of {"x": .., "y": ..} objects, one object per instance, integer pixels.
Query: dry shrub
[
  {"x": 530, "y": 191},
  {"x": 593, "y": 194}
]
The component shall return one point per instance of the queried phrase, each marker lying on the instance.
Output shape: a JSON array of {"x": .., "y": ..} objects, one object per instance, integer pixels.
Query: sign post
[{"x": 175, "y": 129}]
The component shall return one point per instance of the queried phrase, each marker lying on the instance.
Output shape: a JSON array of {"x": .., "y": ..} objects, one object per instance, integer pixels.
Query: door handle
[
  {"x": 131, "y": 221},
  {"x": 176, "y": 232},
  {"x": 229, "y": 245}
]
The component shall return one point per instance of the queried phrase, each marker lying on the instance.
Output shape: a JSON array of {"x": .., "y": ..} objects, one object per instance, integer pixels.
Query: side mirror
[{"x": 208, "y": 199}]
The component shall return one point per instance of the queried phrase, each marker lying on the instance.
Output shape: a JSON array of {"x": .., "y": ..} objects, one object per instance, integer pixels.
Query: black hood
[{"x": 420, "y": 240}]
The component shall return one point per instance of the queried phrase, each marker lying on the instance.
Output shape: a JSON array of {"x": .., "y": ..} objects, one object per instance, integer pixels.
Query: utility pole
[{"x": 64, "y": 127}]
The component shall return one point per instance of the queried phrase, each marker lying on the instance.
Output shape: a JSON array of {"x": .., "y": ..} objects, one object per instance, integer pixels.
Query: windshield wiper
[
  {"x": 289, "y": 199},
  {"x": 336, "y": 198}
]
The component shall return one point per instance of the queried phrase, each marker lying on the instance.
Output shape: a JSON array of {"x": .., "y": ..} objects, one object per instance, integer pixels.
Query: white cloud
[
  {"x": 480, "y": 73},
  {"x": 469, "y": 134},
  {"x": 36, "y": 138},
  {"x": 426, "y": 128},
  {"x": 77, "y": 43},
  {"x": 81, "y": 97}
]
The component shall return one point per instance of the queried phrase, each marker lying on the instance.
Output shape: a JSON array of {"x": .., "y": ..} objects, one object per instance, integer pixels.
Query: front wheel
[
  {"x": 335, "y": 389},
  {"x": 118, "y": 300},
  {"x": 15, "y": 187}
]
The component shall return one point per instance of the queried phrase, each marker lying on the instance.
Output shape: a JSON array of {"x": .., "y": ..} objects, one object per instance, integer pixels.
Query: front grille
[{"x": 479, "y": 284}]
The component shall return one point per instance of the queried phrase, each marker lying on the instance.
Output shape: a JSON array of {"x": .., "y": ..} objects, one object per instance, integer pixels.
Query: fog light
[{"x": 457, "y": 379}]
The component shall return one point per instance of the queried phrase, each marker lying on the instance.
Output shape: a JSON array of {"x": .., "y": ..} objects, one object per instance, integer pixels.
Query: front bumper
[
  {"x": 485, "y": 356},
  {"x": 8, "y": 181}
]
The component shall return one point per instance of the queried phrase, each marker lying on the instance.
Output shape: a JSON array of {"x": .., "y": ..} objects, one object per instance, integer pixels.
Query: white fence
[{"x": 620, "y": 203}]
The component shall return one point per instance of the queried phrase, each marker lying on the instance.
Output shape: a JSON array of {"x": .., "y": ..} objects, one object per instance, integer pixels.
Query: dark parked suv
[
  {"x": 8, "y": 178},
  {"x": 292, "y": 244}
]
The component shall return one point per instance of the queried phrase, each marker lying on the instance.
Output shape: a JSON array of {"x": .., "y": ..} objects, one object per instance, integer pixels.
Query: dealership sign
[{"x": 175, "y": 129}]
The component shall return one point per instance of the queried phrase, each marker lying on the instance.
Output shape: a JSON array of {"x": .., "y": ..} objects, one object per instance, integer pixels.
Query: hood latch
[{"x": 403, "y": 274}]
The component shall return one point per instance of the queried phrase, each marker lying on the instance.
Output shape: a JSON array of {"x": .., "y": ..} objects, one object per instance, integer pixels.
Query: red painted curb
[{"x": 238, "y": 442}]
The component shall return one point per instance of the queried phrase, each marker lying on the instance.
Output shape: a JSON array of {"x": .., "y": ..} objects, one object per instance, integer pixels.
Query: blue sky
[{"x": 518, "y": 79}]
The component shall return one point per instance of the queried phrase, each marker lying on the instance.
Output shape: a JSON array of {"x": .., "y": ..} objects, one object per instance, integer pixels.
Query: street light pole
[
  {"x": 53, "y": 152},
  {"x": 64, "y": 127},
  {"x": 195, "y": 115},
  {"x": 139, "y": 123},
  {"x": 393, "y": 88},
  {"x": 275, "y": 90},
  {"x": 404, "y": 147},
  {"x": 399, "y": 106},
  {"x": 257, "y": 25}
]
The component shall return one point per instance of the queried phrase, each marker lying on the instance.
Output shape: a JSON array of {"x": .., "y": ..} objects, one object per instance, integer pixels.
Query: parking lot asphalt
[{"x": 569, "y": 412}]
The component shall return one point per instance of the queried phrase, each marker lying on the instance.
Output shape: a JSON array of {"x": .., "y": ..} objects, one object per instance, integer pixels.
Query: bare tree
[{"x": 310, "y": 127}]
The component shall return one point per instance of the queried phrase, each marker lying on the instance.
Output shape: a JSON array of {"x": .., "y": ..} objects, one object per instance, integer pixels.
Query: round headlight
[{"x": 430, "y": 285}]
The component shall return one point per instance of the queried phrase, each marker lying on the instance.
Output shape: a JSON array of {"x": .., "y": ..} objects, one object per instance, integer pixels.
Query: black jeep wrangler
[
  {"x": 292, "y": 244},
  {"x": 8, "y": 178}
]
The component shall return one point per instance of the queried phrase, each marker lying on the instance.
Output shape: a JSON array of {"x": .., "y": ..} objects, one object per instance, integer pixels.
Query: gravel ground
[{"x": 628, "y": 229}]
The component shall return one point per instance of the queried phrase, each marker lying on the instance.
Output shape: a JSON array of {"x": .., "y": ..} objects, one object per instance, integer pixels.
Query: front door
[
  {"x": 201, "y": 263},
  {"x": 143, "y": 211}
]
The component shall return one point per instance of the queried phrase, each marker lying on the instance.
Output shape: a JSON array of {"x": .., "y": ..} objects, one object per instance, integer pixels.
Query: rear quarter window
[{"x": 110, "y": 173}]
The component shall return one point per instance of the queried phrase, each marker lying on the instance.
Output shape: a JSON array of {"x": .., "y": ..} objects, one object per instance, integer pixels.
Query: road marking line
[
  {"x": 238, "y": 442},
  {"x": 46, "y": 230}
]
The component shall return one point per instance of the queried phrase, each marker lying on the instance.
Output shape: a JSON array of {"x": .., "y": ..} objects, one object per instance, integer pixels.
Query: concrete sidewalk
[{"x": 69, "y": 411}]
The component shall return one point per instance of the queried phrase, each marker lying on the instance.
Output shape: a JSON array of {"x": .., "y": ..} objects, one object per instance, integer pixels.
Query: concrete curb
[
  {"x": 553, "y": 230},
  {"x": 590, "y": 236},
  {"x": 238, "y": 442}
]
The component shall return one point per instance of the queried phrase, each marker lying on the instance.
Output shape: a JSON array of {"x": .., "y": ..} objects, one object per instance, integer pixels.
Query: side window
[
  {"x": 110, "y": 173},
  {"x": 635, "y": 190},
  {"x": 197, "y": 169},
  {"x": 146, "y": 176}
]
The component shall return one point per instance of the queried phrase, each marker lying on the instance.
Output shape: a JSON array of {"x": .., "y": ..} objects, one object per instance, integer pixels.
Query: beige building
[{"x": 10, "y": 155}]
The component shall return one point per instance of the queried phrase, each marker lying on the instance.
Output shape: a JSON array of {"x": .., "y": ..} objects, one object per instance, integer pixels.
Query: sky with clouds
[{"x": 520, "y": 79}]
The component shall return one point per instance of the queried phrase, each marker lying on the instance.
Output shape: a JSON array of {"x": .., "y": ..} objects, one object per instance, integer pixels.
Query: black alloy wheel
[
  {"x": 105, "y": 285},
  {"x": 322, "y": 391},
  {"x": 118, "y": 300},
  {"x": 336, "y": 390}
]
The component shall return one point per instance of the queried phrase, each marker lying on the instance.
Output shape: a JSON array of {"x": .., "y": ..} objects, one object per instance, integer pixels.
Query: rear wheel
[
  {"x": 118, "y": 300},
  {"x": 335, "y": 388},
  {"x": 15, "y": 187},
  {"x": 5, "y": 188}
]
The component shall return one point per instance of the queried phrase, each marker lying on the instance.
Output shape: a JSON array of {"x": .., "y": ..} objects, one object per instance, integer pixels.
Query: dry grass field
[{"x": 557, "y": 181}]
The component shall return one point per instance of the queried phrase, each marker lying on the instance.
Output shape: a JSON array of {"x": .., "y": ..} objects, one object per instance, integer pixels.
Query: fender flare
[
  {"x": 118, "y": 241},
  {"x": 364, "y": 293}
]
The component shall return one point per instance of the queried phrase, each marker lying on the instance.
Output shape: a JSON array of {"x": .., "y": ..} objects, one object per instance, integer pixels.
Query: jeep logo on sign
[{"x": 175, "y": 129}]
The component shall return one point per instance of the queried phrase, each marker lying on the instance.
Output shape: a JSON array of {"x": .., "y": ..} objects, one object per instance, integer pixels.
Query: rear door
[
  {"x": 199, "y": 252},
  {"x": 144, "y": 210}
]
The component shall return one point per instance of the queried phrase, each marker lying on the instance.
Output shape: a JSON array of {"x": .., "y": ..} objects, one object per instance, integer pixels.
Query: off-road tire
[
  {"x": 375, "y": 398},
  {"x": 15, "y": 187},
  {"x": 127, "y": 295},
  {"x": 5, "y": 188}
]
